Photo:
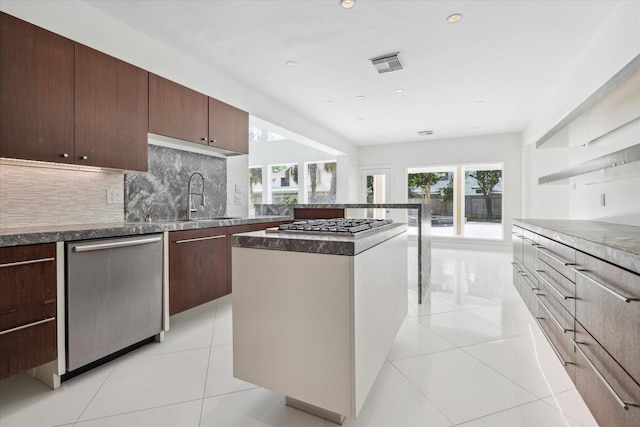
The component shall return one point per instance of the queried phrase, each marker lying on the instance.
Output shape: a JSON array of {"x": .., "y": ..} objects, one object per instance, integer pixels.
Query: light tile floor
[{"x": 472, "y": 355}]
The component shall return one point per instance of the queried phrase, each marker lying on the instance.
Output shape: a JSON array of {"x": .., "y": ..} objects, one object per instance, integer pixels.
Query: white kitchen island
[{"x": 314, "y": 316}]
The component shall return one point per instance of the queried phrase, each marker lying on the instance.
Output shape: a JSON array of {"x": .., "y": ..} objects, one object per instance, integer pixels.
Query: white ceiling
[{"x": 510, "y": 54}]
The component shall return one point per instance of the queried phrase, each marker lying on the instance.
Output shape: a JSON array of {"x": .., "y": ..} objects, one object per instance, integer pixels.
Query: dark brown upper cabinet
[
  {"x": 111, "y": 111},
  {"x": 228, "y": 127},
  {"x": 177, "y": 111},
  {"x": 36, "y": 89}
]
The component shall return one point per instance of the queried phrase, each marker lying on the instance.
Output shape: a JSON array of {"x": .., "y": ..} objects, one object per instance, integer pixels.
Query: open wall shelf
[{"x": 616, "y": 159}]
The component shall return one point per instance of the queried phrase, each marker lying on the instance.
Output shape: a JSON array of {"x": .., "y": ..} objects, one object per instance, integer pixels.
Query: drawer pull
[
  {"x": 116, "y": 244},
  {"x": 17, "y": 328},
  {"x": 615, "y": 395},
  {"x": 553, "y": 257},
  {"x": 553, "y": 346},
  {"x": 519, "y": 236},
  {"x": 517, "y": 267},
  {"x": 533, "y": 287},
  {"x": 531, "y": 242},
  {"x": 553, "y": 318},
  {"x": 606, "y": 288},
  {"x": 542, "y": 273},
  {"x": 197, "y": 239},
  {"x": 31, "y": 261}
]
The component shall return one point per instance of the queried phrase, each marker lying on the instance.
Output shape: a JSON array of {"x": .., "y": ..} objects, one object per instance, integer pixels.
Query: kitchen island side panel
[
  {"x": 380, "y": 307},
  {"x": 291, "y": 324}
]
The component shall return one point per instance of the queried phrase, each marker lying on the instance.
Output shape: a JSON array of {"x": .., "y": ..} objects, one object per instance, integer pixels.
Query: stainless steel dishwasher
[{"x": 114, "y": 296}]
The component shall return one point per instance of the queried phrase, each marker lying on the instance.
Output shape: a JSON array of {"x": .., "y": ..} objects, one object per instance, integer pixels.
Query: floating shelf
[
  {"x": 616, "y": 159},
  {"x": 612, "y": 106}
]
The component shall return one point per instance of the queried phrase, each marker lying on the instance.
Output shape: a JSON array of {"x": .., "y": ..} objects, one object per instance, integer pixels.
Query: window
[
  {"x": 283, "y": 182},
  {"x": 465, "y": 200},
  {"x": 255, "y": 188},
  {"x": 321, "y": 181}
]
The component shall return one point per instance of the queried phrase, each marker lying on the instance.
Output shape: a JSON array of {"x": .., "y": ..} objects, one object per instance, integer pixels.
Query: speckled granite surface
[
  {"x": 46, "y": 234},
  {"x": 331, "y": 244},
  {"x": 616, "y": 243}
]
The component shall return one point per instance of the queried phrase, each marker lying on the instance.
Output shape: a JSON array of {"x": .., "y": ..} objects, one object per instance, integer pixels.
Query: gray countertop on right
[{"x": 615, "y": 243}]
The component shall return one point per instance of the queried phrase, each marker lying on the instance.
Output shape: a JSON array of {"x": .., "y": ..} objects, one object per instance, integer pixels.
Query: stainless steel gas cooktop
[{"x": 338, "y": 225}]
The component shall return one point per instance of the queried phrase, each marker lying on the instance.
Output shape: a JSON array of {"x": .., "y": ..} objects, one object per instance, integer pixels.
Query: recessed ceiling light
[
  {"x": 481, "y": 103},
  {"x": 360, "y": 119},
  {"x": 291, "y": 64},
  {"x": 347, "y": 4},
  {"x": 425, "y": 132},
  {"x": 399, "y": 90},
  {"x": 452, "y": 19},
  {"x": 360, "y": 97},
  {"x": 329, "y": 102}
]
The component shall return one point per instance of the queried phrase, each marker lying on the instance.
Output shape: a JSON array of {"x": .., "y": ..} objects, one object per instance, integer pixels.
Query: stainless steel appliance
[
  {"x": 114, "y": 295},
  {"x": 350, "y": 226}
]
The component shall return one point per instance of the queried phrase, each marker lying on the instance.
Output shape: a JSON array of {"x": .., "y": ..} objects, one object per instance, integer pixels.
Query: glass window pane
[
  {"x": 255, "y": 189},
  {"x": 434, "y": 186},
  {"x": 283, "y": 181},
  {"x": 483, "y": 203},
  {"x": 321, "y": 182}
]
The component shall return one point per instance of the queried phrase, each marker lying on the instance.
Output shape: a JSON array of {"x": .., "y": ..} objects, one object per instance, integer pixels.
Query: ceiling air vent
[
  {"x": 425, "y": 132},
  {"x": 387, "y": 63}
]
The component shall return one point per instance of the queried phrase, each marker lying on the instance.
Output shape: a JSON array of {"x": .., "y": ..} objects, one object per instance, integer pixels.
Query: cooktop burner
[{"x": 338, "y": 225}]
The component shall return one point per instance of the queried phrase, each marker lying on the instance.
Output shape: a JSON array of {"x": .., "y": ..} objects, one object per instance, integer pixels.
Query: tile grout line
[{"x": 206, "y": 375}]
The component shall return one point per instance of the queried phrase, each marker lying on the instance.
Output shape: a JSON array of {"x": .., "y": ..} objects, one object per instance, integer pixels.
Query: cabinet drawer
[
  {"x": 30, "y": 346},
  {"x": 557, "y": 256},
  {"x": 604, "y": 385},
  {"x": 556, "y": 312},
  {"x": 27, "y": 276},
  {"x": 557, "y": 286},
  {"x": 611, "y": 320},
  {"x": 525, "y": 286},
  {"x": 530, "y": 250},
  {"x": 517, "y": 236},
  {"x": 559, "y": 340}
]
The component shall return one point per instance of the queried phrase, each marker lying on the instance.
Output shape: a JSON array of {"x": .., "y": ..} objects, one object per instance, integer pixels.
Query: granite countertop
[
  {"x": 47, "y": 234},
  {"x": 332, "y": 244},
  {"x": 616, "y": 243}
]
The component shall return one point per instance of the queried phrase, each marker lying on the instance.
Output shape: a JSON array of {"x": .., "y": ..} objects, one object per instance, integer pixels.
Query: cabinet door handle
[
  {"x": 553, "y": 318},
  {"x": 601, "y": 377},
  {"x": 531, "y": 242},
  {"x": 553, "y": 346},
  {"x": 213, "y": 140},
  {"x": 197, "y": 239},
  {"x": 17, "y": 328},
  {"x": 31, "y": 261},
  {"x": 531, "y": 285},
  {"x": 553, "y": 257},
  {"x": 515, "y": 265},
  {"x": 84, "y": 157},
  {"x": 516, "y": 234},
  {"x": 203, "y": 139},
  {"x": 604, "y": 287},
  {"x": 542, "y": 273},
  {"x": 65, "y": 155}
]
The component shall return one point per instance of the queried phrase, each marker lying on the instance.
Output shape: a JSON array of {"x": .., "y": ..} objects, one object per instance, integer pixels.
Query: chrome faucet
[{"x": 190, "y": 192}]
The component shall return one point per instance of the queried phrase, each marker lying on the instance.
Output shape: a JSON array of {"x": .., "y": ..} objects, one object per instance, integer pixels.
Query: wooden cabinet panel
[
  {"x": 557, "y": 286},
  {"x": 198, "y": 267},
  {"x": 27, "y": 307},
  {"x": 517, "y": 238},
  {"x": 317, "y": 213},
  {"x": 560, "y": 257},
  {"x": 228, "y": 127},
  {"x": 559, "y": 339},
  {"x": 31, "y": 346},
  {"x": 606, "y": 409},
  {"x": 611, "y": 320},
  {"x": 27, "y": 276},
  {"x": 111, "y": 111},
  {"x": 36, "y": 88},
  {"x": 177, "y": 111}
]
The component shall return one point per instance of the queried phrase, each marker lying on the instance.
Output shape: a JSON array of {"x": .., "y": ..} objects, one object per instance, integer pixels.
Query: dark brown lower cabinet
[
  {"x": 28, "y": 334},
  {"x": 198, "y": 267}
]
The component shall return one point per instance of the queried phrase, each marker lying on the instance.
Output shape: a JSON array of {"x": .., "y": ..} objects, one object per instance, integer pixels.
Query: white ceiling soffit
[{"x": 507, "y": 54}]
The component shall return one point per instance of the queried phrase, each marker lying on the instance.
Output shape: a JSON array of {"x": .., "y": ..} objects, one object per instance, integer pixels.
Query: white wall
[
  {"x": 612, "y": 47},
  {"x": 505, "y": 149}
]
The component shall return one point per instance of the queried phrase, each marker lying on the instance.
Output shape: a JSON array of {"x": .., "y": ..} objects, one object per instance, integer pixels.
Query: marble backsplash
[{"x": 162, "y": 190}]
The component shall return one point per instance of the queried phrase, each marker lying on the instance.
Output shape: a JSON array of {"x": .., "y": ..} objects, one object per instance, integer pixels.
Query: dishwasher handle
[{"x": 121, "y": 244}]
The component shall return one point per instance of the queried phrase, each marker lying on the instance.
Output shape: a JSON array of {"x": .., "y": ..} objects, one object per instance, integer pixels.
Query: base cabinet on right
[{"x": 589, "y": 310}]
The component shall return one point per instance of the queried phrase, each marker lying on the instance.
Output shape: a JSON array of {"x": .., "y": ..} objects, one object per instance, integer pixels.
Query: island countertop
[
  {"x": 615, "y": 243},
  {"x": 17, "y": 236},
  {"x": 326, "y": 243}
]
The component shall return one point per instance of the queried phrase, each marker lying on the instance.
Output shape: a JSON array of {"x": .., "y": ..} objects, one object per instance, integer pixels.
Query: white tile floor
[{"x": 471, "y": 356}]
